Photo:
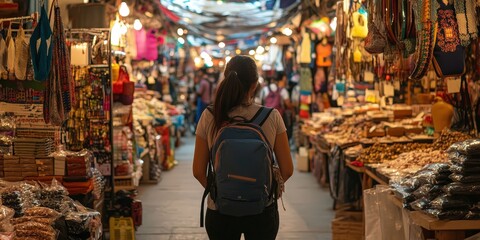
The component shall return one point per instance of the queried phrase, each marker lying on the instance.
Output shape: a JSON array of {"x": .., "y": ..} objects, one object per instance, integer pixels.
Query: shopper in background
[
  {"x": 204, "y": 91},
  {"x": 275, "y": 95},
  {"x": 234, "y": 99}
]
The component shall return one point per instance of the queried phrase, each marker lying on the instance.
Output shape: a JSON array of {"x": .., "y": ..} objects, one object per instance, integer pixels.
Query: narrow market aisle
[{"x": 171, "y": 209}]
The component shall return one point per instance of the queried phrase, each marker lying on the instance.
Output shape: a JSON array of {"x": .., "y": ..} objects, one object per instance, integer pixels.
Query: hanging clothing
[
  {"x": 60, "y": 90},
  {"x": 41, "y": 47},
  {"x": 3, "y": 56},
  {"x": 306, "y": 49},
  {"x": 22, "y": 55},
  {"x": 10, "y": 53}
]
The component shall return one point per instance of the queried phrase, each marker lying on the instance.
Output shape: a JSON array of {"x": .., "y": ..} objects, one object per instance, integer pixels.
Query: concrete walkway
[{"x": 171, "y": 209}]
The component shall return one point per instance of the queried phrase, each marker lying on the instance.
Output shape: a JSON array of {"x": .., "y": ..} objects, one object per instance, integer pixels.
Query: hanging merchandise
[
  {"x": 132, "y": 43},
  {"x": 41, "y": 47},
  {"x": 151, "y": 46},
  {"x": 360, "y": 23},
  {"x": 425, "y": 37},
  {"x": 467, "y": 25},
  {"x": 22, "y": 54},
  {"x": 324, "y": 52},
  {"x": 306, "y": 49},
  {"x": 59, "y": 93},
  {"x": 449, "y": 54},
  {"x": 3, "y": 56},
  {"x": 80, "y": 54},
  {"x": 141, "y": 40},
  {"x": 10, "y": 54},
  {"x": 375, "y": 40}
]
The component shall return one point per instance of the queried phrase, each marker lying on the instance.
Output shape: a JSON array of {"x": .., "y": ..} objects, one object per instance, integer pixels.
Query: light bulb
[
  {"x": 238, "y": 51},
  {"x": 221, "y": 44},
  {"x": 273, "y": 40},
  {"x": 251, "y": 52},
  {"x": 287, "y": 31},
  {"x": 180, "y": 32},
  {"x": 124, "y": 10},
  {"x": 227, "y": 52},
  {"x": 181, "y": 40},
  {"x": 260, "y": 50},
  {"x": 137, "y": 25}
]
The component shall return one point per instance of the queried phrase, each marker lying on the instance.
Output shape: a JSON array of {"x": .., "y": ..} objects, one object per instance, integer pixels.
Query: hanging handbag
[
  {"x": 449, "y": 54},
  {"x": 425, "y": 39},
  {"x": 360, "y": 24},
  {"x": 128, "y": 92},
  {"x": 375, "y": 41},
  {"x": 123, "y": 77}
]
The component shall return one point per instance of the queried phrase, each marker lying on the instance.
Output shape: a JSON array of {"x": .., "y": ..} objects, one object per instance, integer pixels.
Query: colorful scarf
[{"x": 467, "y": 22}]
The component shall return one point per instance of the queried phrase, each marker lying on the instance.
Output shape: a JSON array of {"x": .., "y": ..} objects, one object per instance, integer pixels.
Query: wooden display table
[{"x": 440, "y": 229}]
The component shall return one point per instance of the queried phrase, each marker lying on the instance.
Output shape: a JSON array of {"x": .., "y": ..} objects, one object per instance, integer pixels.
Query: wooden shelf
[
  {"x": 430, "y": 223},
  {"x": 375, "y": 177}
]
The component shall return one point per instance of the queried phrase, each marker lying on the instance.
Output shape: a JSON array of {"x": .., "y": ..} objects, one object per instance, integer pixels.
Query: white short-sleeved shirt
[{"x": 272, "y": 127}]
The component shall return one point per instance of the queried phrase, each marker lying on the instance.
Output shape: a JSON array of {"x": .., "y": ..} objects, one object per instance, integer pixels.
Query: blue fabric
[
  {"x": 41, "y": 59},
  {"x": 201, "y": 106}
]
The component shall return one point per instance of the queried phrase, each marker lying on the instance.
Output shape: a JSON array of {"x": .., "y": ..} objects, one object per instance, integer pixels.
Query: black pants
[{"x": 263, "y": 226}]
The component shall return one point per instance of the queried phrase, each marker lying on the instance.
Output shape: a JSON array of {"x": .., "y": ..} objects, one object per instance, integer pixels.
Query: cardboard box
[
  {"x": 13, "y": 169},
  {"x": 302, "y": 160},
  {"x": 27, "y": 160},
  {"x": 29, "y": 167},
  {"x": 29, "y": 174},
  {"x": 59, "y": 171},
  {"x": 13, "y": 179},
  {"x": 11, "y": 162},
  {"x": 12, "y": 174}
]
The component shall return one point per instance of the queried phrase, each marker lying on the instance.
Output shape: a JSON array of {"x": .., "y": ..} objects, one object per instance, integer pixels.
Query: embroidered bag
[
  {"x": 375, "y": 41},
  {"x": 449, "y": 54},
  {"x": 425, "y": 39}
]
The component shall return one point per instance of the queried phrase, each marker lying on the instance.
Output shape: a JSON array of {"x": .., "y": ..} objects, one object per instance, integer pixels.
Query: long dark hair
[{"x": 240, "y": 75}]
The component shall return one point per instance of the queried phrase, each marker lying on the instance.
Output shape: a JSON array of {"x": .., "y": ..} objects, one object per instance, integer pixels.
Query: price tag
[
  {"x": 396, "y": 84},
  {"x": 453, "y": 85},
  {"x": 388, "y": 90},
  {"x": 371, "y": 96}
]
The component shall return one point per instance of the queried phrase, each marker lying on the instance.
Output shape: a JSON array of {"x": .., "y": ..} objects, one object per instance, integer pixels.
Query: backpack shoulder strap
[{"x": 261, "y": 116}]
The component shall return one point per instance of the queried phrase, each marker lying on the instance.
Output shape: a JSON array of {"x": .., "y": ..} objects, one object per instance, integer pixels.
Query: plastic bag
[
  {"x": 470, "y": 147},
  {"x": 465, "y": 170},
  {"x": 457, "y": 188},
  {"x": 42, "y": 212},
  {"x": 441, "y": 168},
  {"x": 471, "y": 215},
  {"x": 52, "y": 196},
  {"x": 446, "y": 202},
  {"x": 20, "y": 220},
  {"x": 432, "y": 177},
  {"x": 463, "y": 160},
  {"x": 12, "y": 197},
  {"x": 5, "y": 215},
  {"x": 447, "y": 215},
  {"x": 420, "y": 204},
  {"x": 28, "y": 226},
  {"x": 36, "y": 234},
  {"x": 465, "y": 179},
  {"x": 428, "y": 191}
]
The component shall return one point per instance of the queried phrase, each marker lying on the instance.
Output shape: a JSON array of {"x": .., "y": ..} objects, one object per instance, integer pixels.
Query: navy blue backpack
[{"x": 240, "y": 176}]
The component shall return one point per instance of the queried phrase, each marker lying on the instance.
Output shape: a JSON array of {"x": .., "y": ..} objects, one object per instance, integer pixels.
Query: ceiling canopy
[{"x": 225, "y": 20}]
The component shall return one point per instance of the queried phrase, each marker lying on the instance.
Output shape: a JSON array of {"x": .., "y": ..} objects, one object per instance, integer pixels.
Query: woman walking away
[{"x": 243, "y": 148}]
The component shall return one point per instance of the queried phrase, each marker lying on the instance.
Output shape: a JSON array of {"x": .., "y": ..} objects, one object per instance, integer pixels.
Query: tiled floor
[{"x": 171, "y": 209}]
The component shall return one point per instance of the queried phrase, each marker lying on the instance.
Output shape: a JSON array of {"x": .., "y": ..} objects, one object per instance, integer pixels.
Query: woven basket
[{"x": 348, "y": 226}]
